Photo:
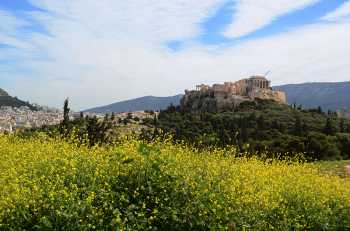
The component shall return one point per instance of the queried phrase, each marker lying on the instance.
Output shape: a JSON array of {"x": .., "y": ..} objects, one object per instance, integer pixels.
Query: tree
[
  {"x": 342, "y": 125},
  {"x": 64, "y": 126},
  {"x": 66, "y": 110},
  {"x": 106, "y": 117},
  {"x": 305, "y": 127},
  {"x": 297, "y": 126},
  {"x": 129, "y": 116},
  {"x": 261, "y": 122},
  {"x": 329, "y": 129}
]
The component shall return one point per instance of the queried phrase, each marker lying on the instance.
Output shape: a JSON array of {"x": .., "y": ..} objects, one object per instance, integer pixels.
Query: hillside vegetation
[
  {"x": 258, "y": 127},
  {"x": 49, "y": 184}
]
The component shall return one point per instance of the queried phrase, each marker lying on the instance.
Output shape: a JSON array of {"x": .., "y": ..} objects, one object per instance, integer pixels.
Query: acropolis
[{"x": 230, "y": 94}]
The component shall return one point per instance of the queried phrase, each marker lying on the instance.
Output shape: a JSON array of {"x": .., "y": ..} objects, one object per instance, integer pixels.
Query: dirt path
[{"x": 347, "y": 169}]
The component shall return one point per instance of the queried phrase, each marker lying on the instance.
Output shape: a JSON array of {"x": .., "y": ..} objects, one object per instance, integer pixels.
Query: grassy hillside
[{"x": 48, "y": 184}]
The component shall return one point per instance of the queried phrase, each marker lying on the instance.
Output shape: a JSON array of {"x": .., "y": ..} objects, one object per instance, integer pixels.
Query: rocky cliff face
[{"x": 211, "y": 102}]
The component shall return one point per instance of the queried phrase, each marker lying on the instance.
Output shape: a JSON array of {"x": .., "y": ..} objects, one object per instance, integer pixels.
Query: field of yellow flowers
[{"x": 49, "y": 184}]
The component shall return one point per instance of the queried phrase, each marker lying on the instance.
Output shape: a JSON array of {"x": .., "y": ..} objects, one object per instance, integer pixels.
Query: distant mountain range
[
  {"x": 7, "y": 100},
  {"x": 330, "y": 96},
  {"x": 139, "y": 104}
]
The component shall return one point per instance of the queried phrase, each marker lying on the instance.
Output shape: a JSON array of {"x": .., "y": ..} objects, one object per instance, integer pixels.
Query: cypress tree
[{"x": 66, "y": 110}]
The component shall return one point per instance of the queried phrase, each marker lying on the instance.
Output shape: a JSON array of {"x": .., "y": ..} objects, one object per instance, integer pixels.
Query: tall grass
[{"x": 48, "y": 184}]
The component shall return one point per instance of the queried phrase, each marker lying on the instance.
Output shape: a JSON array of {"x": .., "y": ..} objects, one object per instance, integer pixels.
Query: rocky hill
[
  {"x": 3, "y": 92},
  {"x": 227, "y": 96},
  {"x": 7, "y": 100},
  {"x": 139, "y": 104}
]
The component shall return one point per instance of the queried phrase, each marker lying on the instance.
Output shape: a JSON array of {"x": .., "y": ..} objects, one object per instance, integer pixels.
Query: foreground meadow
[{"x": 48, "y": 184}]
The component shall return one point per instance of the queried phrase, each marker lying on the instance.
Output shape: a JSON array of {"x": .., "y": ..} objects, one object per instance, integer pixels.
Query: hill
[
  {"x": 7, "y": 100},
  {"x": 330, "y": 96},
  {"x": 139, "y": 104},
  {"x": 3, "y": 93},
  {"x": 259, "y": 126}
]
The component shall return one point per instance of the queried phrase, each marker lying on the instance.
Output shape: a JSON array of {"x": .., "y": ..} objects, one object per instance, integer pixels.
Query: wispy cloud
[
  {"x": 134, "y": 19},
  {"x": 341, "y": 13},
  {"x": 252, "y": 15}
]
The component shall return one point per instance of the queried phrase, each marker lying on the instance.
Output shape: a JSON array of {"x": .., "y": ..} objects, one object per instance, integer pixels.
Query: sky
[{"x": 100, "y": 52}]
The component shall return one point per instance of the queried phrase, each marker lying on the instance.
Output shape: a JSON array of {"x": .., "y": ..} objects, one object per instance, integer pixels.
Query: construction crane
[{"x": 267, "y": 73}]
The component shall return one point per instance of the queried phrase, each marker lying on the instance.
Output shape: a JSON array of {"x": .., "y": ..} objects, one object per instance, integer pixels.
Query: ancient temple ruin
[{"x": 230, "y": 94}]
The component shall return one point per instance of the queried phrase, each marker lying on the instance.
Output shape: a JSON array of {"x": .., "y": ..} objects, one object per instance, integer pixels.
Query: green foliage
[{"x": 260, "y": 125}]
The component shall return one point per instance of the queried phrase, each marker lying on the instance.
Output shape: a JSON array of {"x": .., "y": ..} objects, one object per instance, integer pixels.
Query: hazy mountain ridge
[
  {"x": 139, "y": 104},
  {"x": 328, "y": 95}
]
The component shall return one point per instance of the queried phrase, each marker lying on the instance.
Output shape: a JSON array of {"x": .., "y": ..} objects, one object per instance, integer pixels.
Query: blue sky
[
  {"x": 216, "y": 24},
  {"x": 53, "y": 49}
]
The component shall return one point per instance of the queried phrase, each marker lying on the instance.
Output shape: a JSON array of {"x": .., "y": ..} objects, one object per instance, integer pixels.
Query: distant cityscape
[{"x": 12, "y": 118}]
